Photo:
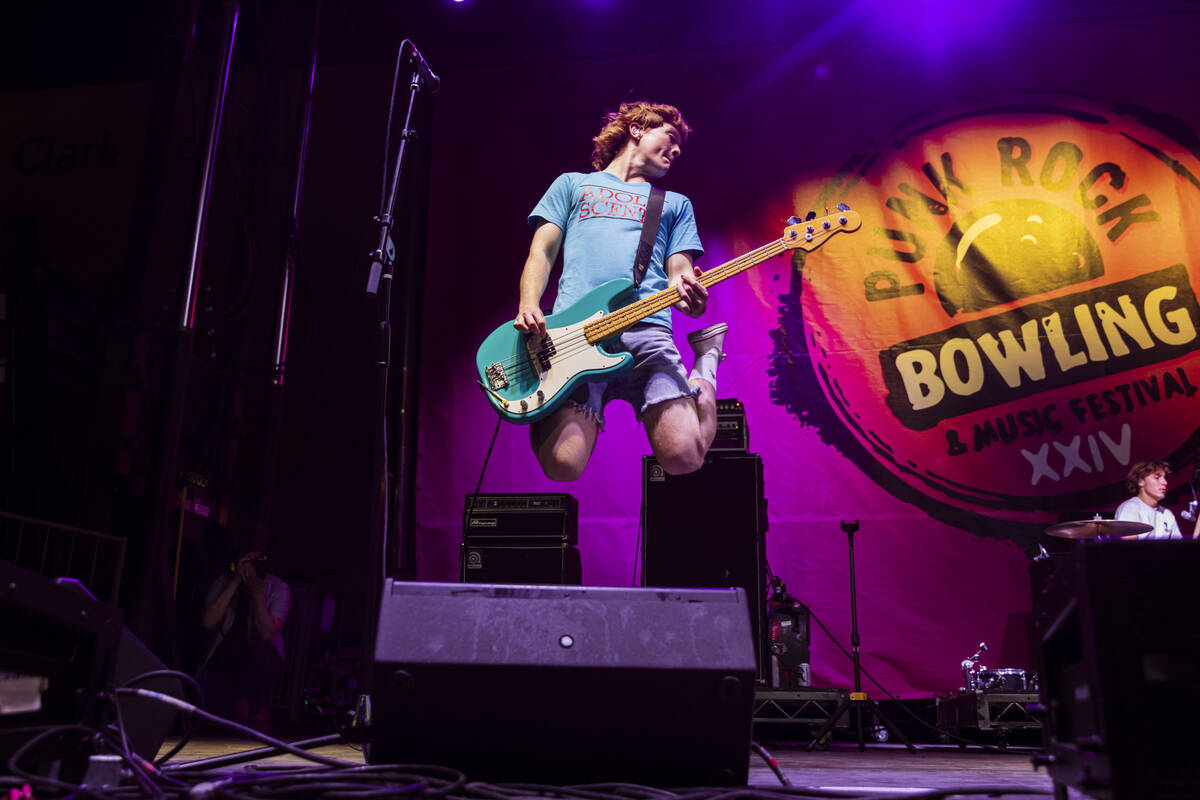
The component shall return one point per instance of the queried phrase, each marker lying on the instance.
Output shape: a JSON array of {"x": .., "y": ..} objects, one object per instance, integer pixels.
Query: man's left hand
[{"x": 693, "y": 295}]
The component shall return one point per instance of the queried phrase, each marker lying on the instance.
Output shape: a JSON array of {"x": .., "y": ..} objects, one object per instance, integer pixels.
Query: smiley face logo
[{"x": 1010, "y": 249}]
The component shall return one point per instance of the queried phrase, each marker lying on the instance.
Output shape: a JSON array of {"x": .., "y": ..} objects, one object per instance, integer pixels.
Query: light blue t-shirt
[{"x": 601, "y": 216}]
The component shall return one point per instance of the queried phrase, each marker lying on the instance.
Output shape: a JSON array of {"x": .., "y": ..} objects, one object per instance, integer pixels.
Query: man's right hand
[{"x": 530, "y": 319}]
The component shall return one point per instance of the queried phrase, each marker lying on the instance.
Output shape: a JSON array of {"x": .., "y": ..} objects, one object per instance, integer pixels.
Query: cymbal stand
[{"x": 858, "y": 698}]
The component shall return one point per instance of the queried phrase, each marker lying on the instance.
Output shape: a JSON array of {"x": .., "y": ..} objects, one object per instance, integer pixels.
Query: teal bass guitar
[{"x": 527, "y": 377}]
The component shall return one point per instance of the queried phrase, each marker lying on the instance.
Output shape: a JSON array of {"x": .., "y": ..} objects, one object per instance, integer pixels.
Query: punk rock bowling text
[{"x": 1059, "y": 171}]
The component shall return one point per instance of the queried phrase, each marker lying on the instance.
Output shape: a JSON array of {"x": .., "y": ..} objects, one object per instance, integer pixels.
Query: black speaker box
[
  {"x": 552, "y": 684},
  {"x": 705, "y": 529},
  {"x": 1119, "y": 669},
  {"x": 502, "y": 563},
  {"x": 147, "y": 721},
  {"x": 57, "y": 651}
]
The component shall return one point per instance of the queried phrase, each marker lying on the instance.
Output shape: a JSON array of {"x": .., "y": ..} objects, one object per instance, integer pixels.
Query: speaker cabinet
[
  {"x": 528, "y": 563},
  {"x": 1119, "y": 666},
  {"x": 57, "y": 651},
  {"x": 705, "y": 529},
  {"x": 147, "y": 721},
  {"x": 553, "y": 684}
]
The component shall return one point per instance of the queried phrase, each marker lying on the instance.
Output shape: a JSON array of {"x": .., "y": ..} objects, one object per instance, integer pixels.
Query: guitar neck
[{"x": 623, "y": 319}]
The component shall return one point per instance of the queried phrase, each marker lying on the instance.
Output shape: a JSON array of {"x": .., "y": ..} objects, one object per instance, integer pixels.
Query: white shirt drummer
[{"x": 1149, "y": 478}]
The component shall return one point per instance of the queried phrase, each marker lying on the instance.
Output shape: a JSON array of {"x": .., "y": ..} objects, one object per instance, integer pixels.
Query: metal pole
[
  {"x": 283, "y": 311},
  {"x": 287, "y": 280},
  {"x": 156, "y": 583},
  {"x": 187, "y": 309}
]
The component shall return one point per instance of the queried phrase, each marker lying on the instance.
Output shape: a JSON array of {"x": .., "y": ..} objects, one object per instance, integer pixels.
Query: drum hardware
[
  {"x": 1097, "y": 527},
  {"x": 971, "y": 669},
  {"x": 1193, "y": 508},
  {"x": 1007, "y": 680}
]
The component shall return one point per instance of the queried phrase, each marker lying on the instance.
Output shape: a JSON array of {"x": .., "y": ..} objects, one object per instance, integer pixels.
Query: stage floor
[{"x": 886, "y": 768}]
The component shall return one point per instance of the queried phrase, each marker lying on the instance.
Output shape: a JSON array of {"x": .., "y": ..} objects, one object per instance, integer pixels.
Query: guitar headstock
[{"x": 812, "y": 231}]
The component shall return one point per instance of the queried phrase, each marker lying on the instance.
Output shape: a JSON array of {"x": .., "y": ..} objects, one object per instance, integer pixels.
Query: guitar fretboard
[{"x": 621, "y": 320}]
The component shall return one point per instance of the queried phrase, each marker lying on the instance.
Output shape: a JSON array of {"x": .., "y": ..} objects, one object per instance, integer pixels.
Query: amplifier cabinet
[
  {"x": 705, "y": 530},
  {"x": 545, "y": 518},
  {"x": 733, "y": 435},
  {"x": 521, "y": 563}
]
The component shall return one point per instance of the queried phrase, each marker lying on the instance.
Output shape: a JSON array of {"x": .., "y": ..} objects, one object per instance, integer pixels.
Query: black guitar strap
[{"x": 649, "y": 231}]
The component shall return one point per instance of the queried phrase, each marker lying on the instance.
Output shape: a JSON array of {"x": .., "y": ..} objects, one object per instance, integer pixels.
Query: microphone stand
[
  {"x": 379, "y": 282},
  {"x": 858, "y": 698}
]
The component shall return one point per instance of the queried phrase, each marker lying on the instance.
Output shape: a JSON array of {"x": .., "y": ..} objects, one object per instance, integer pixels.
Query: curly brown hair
[
  {"x": 1140, "y": 470},
  {"x": 612, "y": 137}
]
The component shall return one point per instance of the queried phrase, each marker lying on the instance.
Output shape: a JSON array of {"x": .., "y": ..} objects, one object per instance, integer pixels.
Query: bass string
[
  {"x": 624, "y": 318},
  {"x": 618, "y": 321}
]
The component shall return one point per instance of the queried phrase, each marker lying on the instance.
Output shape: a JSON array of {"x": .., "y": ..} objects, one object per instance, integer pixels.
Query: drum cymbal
[{"x": 1091, "y": 528}]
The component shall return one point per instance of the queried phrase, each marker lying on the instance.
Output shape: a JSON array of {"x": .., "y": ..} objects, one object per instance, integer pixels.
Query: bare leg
[
  {"x": 681, "y": 430},
  {"x": 563, "y": 442}
]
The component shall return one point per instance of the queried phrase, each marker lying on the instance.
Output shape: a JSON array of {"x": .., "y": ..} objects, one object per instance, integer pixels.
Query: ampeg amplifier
[
  {"x": 539, "y": 518},
  {"x": 733, "y": 436},
  {"x": 498, "y": 562}
]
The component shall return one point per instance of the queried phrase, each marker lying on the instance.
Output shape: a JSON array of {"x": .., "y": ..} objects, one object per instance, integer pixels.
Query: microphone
[
  {"x": 425, "y": 78},
  {"x": 1190, "y": 513}
]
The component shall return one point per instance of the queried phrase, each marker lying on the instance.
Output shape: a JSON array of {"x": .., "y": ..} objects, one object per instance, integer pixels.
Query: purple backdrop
[{"x": 774, "y": 125}]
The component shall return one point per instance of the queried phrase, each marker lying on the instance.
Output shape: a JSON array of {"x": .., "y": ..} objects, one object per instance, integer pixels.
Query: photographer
[{"x": 245, "y": 609}]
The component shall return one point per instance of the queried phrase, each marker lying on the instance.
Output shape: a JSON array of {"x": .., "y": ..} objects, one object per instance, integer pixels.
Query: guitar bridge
[{"x": 497, "y": 377}]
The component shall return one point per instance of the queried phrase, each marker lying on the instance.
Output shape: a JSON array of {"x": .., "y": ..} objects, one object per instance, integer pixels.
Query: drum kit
[{"x": 979, "y": 678}]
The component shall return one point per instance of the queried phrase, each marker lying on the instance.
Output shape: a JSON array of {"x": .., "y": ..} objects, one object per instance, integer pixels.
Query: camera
[{"x": 260, "y": 563}]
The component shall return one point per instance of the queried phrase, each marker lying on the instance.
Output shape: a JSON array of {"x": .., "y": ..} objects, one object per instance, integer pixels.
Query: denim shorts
[{"x": 658, "y": 374}]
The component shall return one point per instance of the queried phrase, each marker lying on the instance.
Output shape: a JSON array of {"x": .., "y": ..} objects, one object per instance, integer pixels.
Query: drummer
[{"x": 1148, "y": 481}]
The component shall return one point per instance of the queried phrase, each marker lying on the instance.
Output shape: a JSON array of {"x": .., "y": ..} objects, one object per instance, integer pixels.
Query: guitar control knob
[
  {"x": 541, "y": 396},
  {"x": 524, "y": 405}
]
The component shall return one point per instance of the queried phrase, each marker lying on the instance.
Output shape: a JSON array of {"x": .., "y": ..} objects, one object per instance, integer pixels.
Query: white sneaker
[{"x": 709, "y": 338}]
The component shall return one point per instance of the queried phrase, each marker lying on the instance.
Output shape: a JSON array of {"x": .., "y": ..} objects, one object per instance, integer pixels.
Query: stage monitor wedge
[{"x": 559, "y": 684}]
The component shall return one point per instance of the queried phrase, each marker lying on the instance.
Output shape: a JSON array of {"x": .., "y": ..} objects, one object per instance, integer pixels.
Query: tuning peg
[
  {"x": 810, "y": 215},
  {"x": 843, "y": 206},
  {"x": 793, "y": 220}
]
